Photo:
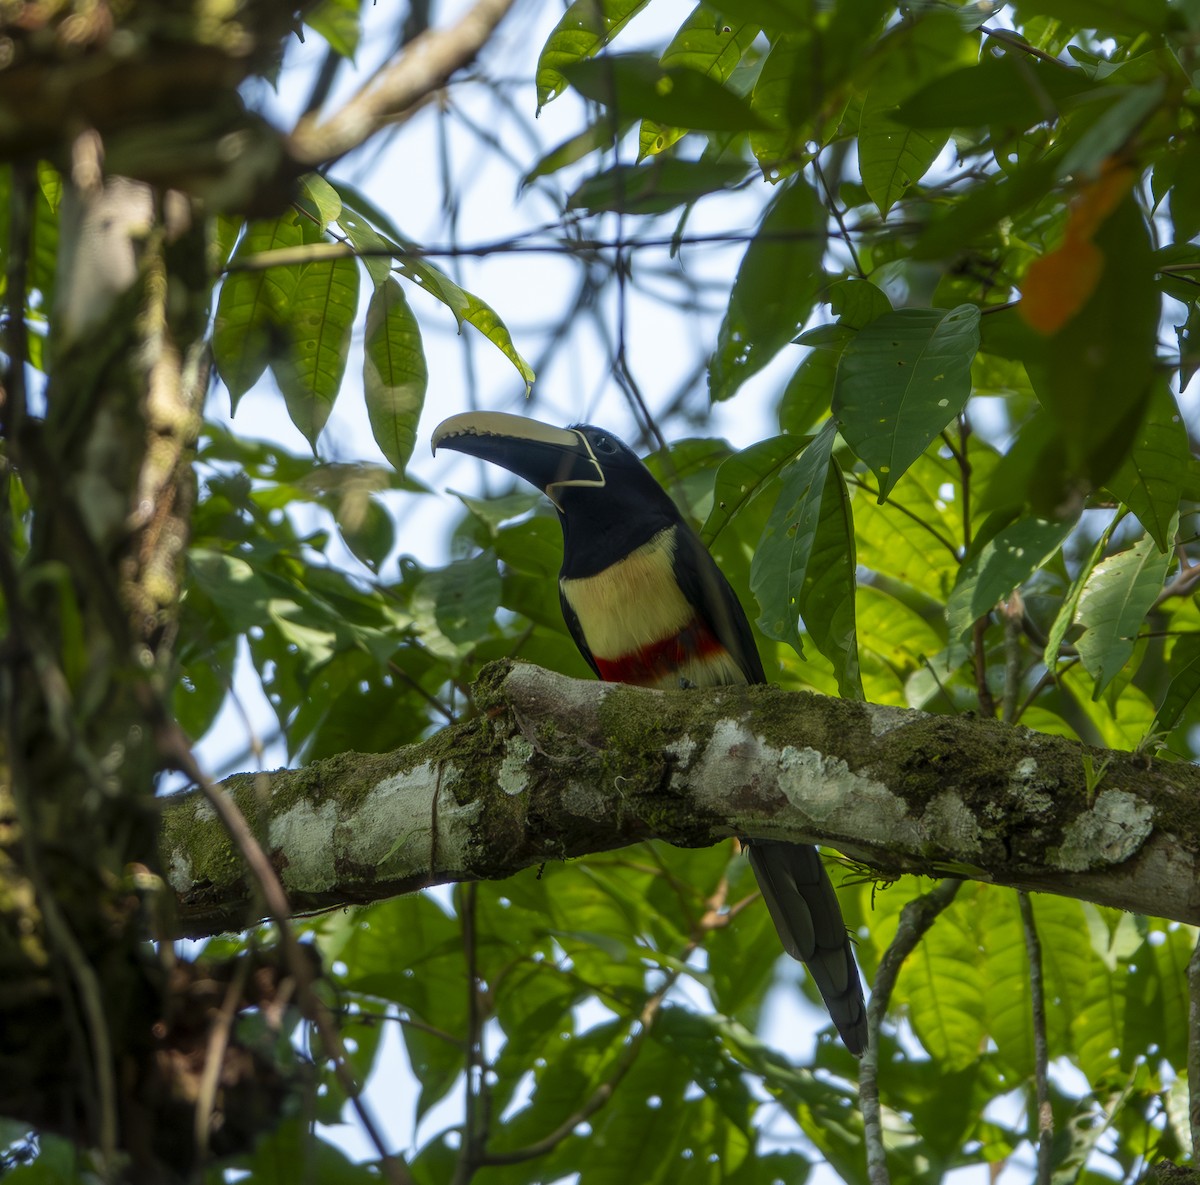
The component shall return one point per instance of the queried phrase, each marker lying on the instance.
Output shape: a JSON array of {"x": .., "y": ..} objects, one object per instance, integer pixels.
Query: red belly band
[{"x": 659, "y": 659}]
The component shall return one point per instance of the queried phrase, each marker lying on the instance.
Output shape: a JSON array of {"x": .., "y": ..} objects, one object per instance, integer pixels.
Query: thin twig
[
  {"x": 1041, "y": 1055},
  {"x": 915, "y": 919},
  {"x": 964, "y": 468},
  {"x": 839, "y": 217},
  {"x": 987, "y": 702},
  {"x": 475, "y": 1126},
  {"x": 1013, "y": 613},
  {"x": 523, "y": 244}
]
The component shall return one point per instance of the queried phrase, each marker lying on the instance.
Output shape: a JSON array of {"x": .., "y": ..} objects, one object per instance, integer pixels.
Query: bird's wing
[
  {"x": 704, "y": 586},
  {"x": 576, "y": 631}
]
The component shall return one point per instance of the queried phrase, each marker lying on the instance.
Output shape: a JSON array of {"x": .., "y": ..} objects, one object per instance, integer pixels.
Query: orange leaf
[{"x": 1058, "y": 284}]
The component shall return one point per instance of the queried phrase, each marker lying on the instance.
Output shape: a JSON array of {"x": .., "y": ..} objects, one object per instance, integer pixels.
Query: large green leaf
[
  {"x": 946, "y": 986},
  {"x": 777, "y": 284},
  {"x": 893, "y": 157},
  {"x": 395, "y": 376},
  {"x": 254, "y": 306},
  {"x": 1185, "y": 682},
  {"x": 901, "y": 380},
  {"x": 805, "y": 565},
  {"x": 1006, "y": 561},
  {"x": 637, "y": 84},
  {"x": 1014, "y": 91},
  {"x": 1157, "y": 987},
  {"x": 1108, "y": 16},
  {"x": 744, "y": 476},
  {"x": 1151, "y": 477},
  {"x": 661, "y": 185},
  {"x": 1114, "y": 604},
  {"x": 320, "y": 319},
  {"x": 365, "y": 233},
  {"x": 709, "y": 44},
  {"x": 584, "y": 29}
]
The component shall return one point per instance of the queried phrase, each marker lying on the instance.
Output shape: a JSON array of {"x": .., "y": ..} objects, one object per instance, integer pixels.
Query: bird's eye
[{"x": 604, "y": 445}]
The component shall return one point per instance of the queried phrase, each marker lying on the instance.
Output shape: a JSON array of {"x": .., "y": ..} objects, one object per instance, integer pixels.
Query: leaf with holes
[
  {"x": 712, "y": 45},
  {"x": 777, "y": 284},
  {"x": 1113, "y": 607},
  {"x": 804, "y": 567},
  {"x": 903, "y": 378},
  {"x": 1005, "y": 562},
  {"x": 585, "y": 28}
]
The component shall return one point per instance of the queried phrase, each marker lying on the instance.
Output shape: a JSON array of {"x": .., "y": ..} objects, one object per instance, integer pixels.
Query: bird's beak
[{"x": 547, "y": 457}]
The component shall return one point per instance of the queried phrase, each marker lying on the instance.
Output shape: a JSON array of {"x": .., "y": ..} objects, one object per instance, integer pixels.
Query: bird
[{"x": 646, "y": 604}]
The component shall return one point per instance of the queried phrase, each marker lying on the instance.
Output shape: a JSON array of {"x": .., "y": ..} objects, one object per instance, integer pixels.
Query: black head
[{"x": 607, "y": 500}]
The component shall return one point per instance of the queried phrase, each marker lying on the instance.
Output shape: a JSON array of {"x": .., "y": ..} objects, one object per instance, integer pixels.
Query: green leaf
[
  {"x": 892, "y": 157},
  {"x": 395, "y": 376},
  {"x": 367, "y": 529},
  {"x": 585, "y": 28},
  {"x": 856, "y": 303},
  {"x": 466, "y": 594},
  {"x": 50, "y": 183},
  {"x": 1006, "y": 561},
  {"x": 465, "y": 306},
  {"x": 808, "y": 396},
  {"x": 1185, "y": 682},
  {"x": 780, "y": 148},
  {"x": 320, "y": 199},
  {"x": 320, "y": 320},
  {"x": 601, "y": 134},
  {"x": 1065, "y": 617},
  {"x": 661, "y": 185},
  {"x": 1114, "y": 604},
  {"x": 944, "y": 985},
  {"x": 254, "y": 305},
  {"x": 1108, "y": 16},
  {"x": 636, "y": 84},
  {"x": 743, "y": 476},
  {"x": 367, "y": 235},
  {"x": 1013, "y": 91},
  {"x": 1151, "y": 477},
  {"x": 337, "y": 22},
  {"x": 777, "y": 283},
  {"x": 708, "y": 43},
  {"x": 901, "y": 380},
  {"x": 1185, "y": 191},
  {"x": 805, "y": 565}
]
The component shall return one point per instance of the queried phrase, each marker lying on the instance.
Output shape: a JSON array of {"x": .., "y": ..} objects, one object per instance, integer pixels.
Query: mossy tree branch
[{"x": 555, "y": 767}]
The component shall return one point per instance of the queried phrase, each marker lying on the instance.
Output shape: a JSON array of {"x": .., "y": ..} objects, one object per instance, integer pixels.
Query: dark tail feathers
[{"x": 806, "y": 913}]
